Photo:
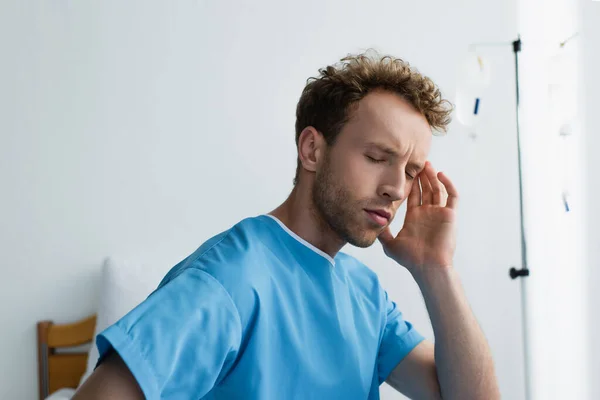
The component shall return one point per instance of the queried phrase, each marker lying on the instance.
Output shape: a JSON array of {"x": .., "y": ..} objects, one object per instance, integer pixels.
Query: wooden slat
[
  {"x": 62, "y": 370},
  {"x": 69, "y": 335},
  {"x": 65, "y": 370},
  {"x": 43, "y": 352}
]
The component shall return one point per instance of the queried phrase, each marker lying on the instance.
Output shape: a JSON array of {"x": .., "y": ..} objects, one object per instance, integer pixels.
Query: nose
[{"x": 394, "y": 189}]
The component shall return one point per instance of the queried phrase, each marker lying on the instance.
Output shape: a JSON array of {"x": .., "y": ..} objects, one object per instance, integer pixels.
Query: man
[{"x": 271, "y": 309}]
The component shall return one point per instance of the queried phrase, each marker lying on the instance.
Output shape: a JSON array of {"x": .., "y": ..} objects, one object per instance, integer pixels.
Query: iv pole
[{"x": 523, "y": 272}]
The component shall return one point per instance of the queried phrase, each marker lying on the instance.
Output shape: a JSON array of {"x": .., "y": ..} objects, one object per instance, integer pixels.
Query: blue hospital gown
[{"x": 258, "y": 313}]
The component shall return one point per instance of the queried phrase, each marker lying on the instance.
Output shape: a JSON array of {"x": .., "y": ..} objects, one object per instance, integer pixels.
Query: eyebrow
[{"x": 390, "y": 151}]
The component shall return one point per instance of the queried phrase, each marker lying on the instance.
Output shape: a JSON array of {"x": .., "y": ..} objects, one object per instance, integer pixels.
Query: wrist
[{"x": 427, "y": 275}]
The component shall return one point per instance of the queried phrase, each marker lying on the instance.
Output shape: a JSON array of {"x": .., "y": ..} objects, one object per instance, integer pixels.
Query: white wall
[
  {"x": 590, "y": 17},
  {"x": 143, "y": 128},
  {"x": 564, "y": 253},
  {"x": 556, "y": 301}
]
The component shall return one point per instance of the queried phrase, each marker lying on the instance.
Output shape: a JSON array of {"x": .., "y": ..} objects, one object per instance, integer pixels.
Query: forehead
[{"x": 386, "y": 118}]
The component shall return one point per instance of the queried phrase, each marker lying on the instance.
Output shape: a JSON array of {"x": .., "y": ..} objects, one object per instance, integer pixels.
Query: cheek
[{"x": 361, "y": 179}]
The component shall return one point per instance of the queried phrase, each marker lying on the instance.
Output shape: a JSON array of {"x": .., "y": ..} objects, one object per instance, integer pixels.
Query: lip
[
  {"x": 385, "y": 214},
  {"x": 380, "y": 217}
]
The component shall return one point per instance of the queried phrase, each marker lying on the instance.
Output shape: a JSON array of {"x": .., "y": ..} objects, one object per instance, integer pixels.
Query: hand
[{"x": 428, "y": 238}]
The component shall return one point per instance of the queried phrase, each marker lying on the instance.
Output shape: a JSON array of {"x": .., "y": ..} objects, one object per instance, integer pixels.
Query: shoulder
[
  {"x": 234, "y": 258},
  {"x": 226, "y": 252}
]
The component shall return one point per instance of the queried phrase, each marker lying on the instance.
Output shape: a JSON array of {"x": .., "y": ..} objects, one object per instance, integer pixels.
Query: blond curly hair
[{"x": 328, "y": 100}]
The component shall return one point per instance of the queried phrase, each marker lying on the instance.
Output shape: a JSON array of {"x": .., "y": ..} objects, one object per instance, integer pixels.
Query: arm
[
  {"x": 111, "y": 380},
  {"x": 461, "y": 367},
  {"x": 188, "y": 327},
  {"x": 460, "y": 363},
  {"x": 415, "y": 376}
]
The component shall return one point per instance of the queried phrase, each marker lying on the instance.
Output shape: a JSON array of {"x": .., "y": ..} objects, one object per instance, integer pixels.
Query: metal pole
[{"x": 524, "y": 271}]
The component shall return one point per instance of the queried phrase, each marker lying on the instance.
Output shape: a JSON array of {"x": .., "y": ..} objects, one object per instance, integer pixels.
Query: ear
[{"x": 311, "y": 148}]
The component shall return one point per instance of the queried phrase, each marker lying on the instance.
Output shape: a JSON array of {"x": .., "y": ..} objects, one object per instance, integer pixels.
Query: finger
[
  {"x": 451, "y": 189},
  {"x": 443, "y": 187},
  {"x": 437, "y": 188},
  {"x": 444, "y": 194},
  {"x": 427, "y": 193},
  {"x": 414, "y": 197}
]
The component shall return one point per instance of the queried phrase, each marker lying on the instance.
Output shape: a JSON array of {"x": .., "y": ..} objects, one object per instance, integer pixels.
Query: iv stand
[{"x": 523, "y": 272}]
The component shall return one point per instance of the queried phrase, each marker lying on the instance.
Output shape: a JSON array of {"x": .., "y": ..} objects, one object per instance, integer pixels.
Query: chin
[
  {"x": 359, "y": 235},
  {"x": 363, "y": 241}
]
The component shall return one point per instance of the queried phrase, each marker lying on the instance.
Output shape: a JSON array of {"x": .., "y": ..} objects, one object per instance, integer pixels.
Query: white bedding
[
  {"x": 125, "y": 283},
  {"x": 62, "y": 394}
]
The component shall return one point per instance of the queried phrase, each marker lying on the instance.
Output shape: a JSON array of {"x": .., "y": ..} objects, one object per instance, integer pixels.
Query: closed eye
[
  {"x": 378, "y": 161},
  {"x": 374, "y": 160}
]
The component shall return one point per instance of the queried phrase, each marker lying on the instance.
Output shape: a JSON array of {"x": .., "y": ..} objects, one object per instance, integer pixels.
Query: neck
[{"x": 299, "y": 214}]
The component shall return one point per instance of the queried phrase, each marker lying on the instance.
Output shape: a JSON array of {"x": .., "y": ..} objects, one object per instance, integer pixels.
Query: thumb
[{"x": 386, "y": 236}]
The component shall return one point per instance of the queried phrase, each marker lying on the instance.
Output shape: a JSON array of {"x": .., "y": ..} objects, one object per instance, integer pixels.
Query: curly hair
[{"x": 328, "y": 100}]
